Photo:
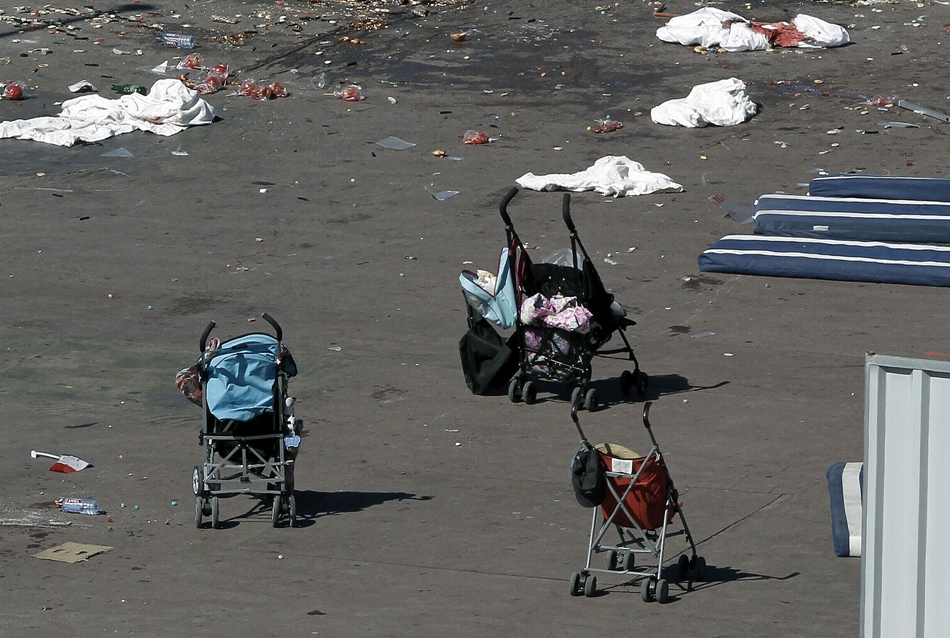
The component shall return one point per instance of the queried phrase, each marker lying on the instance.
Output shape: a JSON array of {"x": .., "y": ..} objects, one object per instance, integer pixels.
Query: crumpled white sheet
[
  {"x": 722, "y": 103},
  {"x": 611, "y": 175},
  {"x": 714, "y": 27},
  {"x": 169, "y": 108}
]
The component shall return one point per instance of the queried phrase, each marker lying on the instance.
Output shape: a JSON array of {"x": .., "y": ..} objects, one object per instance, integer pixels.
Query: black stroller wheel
[
  {"x": 626, "y": 381},
  {"x": 292, "y": 510},
  {"x": 514, "y": 392},
  {"x": 529, "y": 392},
  {"x": 590, "y": 586},
  {"x": 611, "y": 560},
  {"x": 197, "y": 481},
  {"x": 682, "y": 566},
  {"x": 576, "y": 584},
  {"x": 275, "y": 511},
  {"x": 215, "y": 513},
  {"x": 661, "y": 591},
  {"x": 643, "y": 381},
  {"x": 647, "y": 589},
  {"x": 198, "y": 511},
  {"x": 591, "y": 400}
]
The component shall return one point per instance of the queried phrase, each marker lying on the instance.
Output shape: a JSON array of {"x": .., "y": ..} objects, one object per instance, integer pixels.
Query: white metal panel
[{"x": 905, "y": 580}]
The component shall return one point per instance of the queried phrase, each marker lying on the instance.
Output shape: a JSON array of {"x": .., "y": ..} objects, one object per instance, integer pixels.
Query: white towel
[
  {"x": 169, "y": 108},
  {"x": 617, "y": 176},
  {"x": 723, "y": 103}
]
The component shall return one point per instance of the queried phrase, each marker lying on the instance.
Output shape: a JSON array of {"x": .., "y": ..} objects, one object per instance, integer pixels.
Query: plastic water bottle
[
  {"x": 177, "y": 40},
  {"x": 78, "y": 505}
]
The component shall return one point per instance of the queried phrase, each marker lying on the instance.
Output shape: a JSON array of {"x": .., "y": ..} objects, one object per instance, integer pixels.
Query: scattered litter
[
  {"x": 472, "y": 136},
  {"x": 882, "y": 100},
  {"x": 728, "y": 354},
  {"x": 119, "y": 152},
  {"x": 703, "y": 335},
  {"x": 350, "y": 93},
  {"x": 86, "y": 506},
  {"x": 179, "y": 151},
  {"x": 438, "y": 152},
  {"x": 263, "y": 91},
  {"x": 82, "y": 86},
  {"x": 738, "y": 212},
  {"x": 441, "y": 195},
  {"x": 916, "y": 108},
  {"x": 396, "y": 144},
  {"x": 335, "y": 348},
  {"x": 225, "y": 19},
  {"x": 897, "y": 125},
  {"x": 606, "y": 126},
  {"x": 13, "y": 91},
  {"x": 72, "y": 552},
  {"x": 391, "y": 99},
  {"x": 65, "y": 463},
  {"x": 320, "y": 81},
  {"x": 176, "y": 40}
]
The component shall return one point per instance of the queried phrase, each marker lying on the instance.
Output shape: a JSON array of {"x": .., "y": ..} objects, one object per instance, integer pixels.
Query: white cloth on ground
[
  {"x": 169, "y": 108},
  {"x": 722, "y": 103},
  {"x": 611, "y": 175},
  {"x": 711, "y": 27}
]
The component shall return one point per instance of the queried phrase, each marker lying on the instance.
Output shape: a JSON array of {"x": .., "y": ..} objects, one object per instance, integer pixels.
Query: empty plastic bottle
[
  {"x": 78, "y": 505},
  {"x": 177, "y": 40}
]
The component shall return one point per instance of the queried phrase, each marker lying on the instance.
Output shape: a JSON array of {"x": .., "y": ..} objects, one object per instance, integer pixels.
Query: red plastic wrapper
[
  {"x": 606, "y": 126},
  {"x": 351, "y": 93},
  {"x": 13, "y": 91},
  {"x": 217, "y": 78},
  {"x": 475, "y": 137},
  {"x": 191, "y": 62},
  {"x": 263, "y": 92}
]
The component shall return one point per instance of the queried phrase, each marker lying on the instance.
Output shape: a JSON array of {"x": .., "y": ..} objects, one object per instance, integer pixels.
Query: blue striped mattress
[{"x": 931, "y": 189}]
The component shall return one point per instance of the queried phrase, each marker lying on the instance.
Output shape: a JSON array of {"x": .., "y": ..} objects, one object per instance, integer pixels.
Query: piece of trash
[
  {"x": 13, "y": 91},
  {"x": 176, "y": 40},
  {"x": 179, "y": 151},
  {"x": 121, "y": 52},
  {"x": 728, "y": 354},
  {"x": 882, "y": 100},
  {"x": 441, "y": 195},
  {"x": 472, "y": 136},
  {"x": 608, "y": 260},
  {"x": 160, "y": 69},
  {"x": 65, "y": 463},
  {"x": 224, "y": 19},
  {"x": 395, "y": 143},
  {"x": 703, "y": 335},
  {"x": 78, "y": 505},
  {"x": 263, "y": 91},
  {"x": 897, "y": 125},
  {"x": 320, "y": 81},
  {"x": 738, "y": 212},
  {"x": 71, "y": 552},
  {"x": 119, "y": 152},
  {"x": 438, "y": 152},
  {"x": 391, "y": 99},
  {"x": 129, "y": 89},
  {"x": 351, "y": 93},
  {"x": 82, "y": 86},
  {"x": 335, "y": 348},
  {"x": 606, "y": 126},
  {"x": 916, "y": 108},
  {"x": 459, "y": 37}
]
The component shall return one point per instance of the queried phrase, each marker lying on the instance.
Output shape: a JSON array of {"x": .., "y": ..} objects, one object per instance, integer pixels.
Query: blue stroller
[{"x": 249, "y": 435}]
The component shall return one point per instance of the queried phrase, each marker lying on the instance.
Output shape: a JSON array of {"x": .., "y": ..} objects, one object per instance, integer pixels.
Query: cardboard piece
[{"x": 71, "y": 552}]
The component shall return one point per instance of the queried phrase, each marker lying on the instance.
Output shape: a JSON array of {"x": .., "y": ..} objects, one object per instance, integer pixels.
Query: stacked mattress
[{"x": 849, "y": 227}]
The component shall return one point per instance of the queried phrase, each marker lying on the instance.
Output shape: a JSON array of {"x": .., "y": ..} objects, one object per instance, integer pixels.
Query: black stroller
[
  {"x": 565, "y": 315},
  {"x": 249, "y": 435}
]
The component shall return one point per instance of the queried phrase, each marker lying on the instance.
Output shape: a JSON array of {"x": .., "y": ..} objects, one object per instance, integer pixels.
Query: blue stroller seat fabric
[
  {"x": 241, "y": 377},
  {"x": 498, "y": 306}
]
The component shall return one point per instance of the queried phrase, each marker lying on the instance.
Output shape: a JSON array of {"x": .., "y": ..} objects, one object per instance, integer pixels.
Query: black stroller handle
[
  {"x": 275, "y": 325},
  {"x": 646, "y": 414},
  {"x": 503, "y": 207},
  {"x": 204, "y": 336},
  {"x": 566, "y": 212}
]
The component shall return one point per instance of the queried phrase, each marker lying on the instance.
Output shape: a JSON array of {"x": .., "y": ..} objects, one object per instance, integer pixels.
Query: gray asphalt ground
[{"x": 424, "y": 510}]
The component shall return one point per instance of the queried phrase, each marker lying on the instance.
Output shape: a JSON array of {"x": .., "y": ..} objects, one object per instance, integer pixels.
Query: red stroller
[{"x": 640, "y": 502}]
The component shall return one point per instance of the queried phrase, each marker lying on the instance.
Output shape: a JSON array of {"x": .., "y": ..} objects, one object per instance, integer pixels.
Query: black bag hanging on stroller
[{"x": 488, "y": 361}]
